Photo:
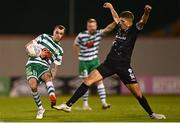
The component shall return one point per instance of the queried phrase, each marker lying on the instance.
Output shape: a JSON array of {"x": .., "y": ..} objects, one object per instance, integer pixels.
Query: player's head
[
  {"x": 58, "y": 32},
  {"x": 91, "y": 25},
  {"x": 126, "y": 19}
]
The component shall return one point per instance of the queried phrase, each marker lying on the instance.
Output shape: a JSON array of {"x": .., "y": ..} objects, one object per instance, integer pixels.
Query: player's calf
[
  {"x": 47, "y": 77},
  {"x": 51, "y": 92}
]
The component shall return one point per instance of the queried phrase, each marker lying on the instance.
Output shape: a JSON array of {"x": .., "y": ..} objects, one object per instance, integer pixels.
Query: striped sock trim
[
  {"x": 37, "y": 99},
  {"x": 86, "y": 95},
  {"x": 102, "y": 93},
  {"x": 50, "y": 88}
]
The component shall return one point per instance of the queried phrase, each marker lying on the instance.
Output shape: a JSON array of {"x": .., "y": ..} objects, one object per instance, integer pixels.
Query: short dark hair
[
  {"x": 91, "y": 20},
  {"x": 127, "y": 14},
  {"x": 61, "y": 27}
]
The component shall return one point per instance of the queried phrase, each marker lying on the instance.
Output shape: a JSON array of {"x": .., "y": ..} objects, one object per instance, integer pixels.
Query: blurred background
[{"x": 156, "y": 58}]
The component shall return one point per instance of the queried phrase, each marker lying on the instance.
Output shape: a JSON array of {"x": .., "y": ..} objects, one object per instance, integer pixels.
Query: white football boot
[
  {"x": 63, "y": 107},
  {"x": 40, "y": 113},
  {"x": 157, "y": 116}
]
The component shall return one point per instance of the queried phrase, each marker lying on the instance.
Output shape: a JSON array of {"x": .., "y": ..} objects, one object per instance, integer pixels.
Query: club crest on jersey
[{"x": 89, "y": 44}]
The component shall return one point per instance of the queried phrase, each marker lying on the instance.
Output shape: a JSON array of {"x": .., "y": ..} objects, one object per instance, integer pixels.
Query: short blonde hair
[{"x": 91, "y": 20}]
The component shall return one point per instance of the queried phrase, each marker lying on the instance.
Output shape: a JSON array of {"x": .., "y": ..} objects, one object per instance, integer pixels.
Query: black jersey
[{"x": 123, "y": 45}]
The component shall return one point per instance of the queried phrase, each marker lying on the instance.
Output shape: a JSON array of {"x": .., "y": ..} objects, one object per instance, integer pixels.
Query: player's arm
[
  {"x": 33, "y": 48},
  {"x": 35, "y": 41},
  {"x": 109, "y": 28},
  {"x": 113, "y": 12},
  {"x": 54, "y": 70},
  {"x": 30, "y": 42},
  {"x": 57, "y": 62},
  {"x": 76, "y": 49},
  {"x": 145, "y": 17},
  {"x": 76, "y": 46}
]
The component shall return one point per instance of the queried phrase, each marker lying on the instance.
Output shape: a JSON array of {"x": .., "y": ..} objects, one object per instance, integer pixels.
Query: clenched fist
[
  {"x": 107, "y": 5},
  {"x": 147, "y": 8}
]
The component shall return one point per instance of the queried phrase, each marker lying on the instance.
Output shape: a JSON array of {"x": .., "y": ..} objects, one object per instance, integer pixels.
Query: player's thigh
[
  {"x": 47, "y": 76},
  {"x": 102, "y": 71},
  {"x": 31, "y": 74},
  {"x": 126, "y": 74},
  {"x": 128, "y": 77},
  {"x": 83, "y": 69},
  {"x": 93, "y": 77},
  {"x": 43, "y": 73},
  {"x": 105, "y": 69}
]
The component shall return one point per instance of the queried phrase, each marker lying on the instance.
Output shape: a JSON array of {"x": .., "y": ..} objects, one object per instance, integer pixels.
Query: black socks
[
  {"x": 79, "y": 93},
  {"x": 142, "y": 100}
]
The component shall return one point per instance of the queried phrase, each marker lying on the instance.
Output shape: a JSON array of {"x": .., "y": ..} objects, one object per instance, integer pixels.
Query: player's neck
[{"x": 91, "y": 33}]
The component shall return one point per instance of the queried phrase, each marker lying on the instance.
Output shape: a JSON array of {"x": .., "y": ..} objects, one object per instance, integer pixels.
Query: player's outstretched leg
[
  {"x": 102, "y": 94},
  {"x": 93, "y": 77},
  {"x": 47, "y": 78},
  {"x": 33, "y": 85},
  {"x": 136, "y": 91}
]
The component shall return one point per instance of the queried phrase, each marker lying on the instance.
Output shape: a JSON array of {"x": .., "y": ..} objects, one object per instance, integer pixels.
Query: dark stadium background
[{"x": 37, "y": 16}]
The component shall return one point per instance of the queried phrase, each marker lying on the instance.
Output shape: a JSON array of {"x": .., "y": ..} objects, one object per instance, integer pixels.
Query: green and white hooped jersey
[
  {"x": 88, "y": 53},
  {"x": 46, "y": 41}
]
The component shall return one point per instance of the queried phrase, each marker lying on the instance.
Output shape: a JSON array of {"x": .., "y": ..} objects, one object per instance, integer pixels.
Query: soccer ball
[{"x": 33, "y": 50}]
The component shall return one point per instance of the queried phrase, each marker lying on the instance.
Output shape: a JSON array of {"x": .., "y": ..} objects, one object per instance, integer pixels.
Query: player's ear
[{"x": 130, "y": 23}]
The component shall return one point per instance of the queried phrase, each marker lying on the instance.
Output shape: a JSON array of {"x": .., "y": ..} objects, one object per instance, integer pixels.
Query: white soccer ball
[{"x": 33, "y": 50}]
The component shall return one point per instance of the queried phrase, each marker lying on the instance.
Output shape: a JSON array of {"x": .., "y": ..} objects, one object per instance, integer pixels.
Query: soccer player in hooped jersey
[
  {"x": 43, "y": 68},
  {"x": 86, "y": 46},
  {"x": 118, "y": 60}
]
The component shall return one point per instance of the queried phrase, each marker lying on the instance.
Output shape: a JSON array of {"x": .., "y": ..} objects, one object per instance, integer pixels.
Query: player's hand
[
  {"x": 147, "y": 8},
  {"x": 107, "y": 5}
]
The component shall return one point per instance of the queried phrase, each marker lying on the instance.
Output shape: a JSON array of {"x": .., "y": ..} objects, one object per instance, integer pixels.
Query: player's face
[
  {"x": 58, "y": 34},
  {"x": 92, "y": 27},
  {"x": 125, "y": 23}
]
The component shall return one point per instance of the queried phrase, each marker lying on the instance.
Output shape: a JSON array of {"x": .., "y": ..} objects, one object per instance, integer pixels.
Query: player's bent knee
[
  {"x": 33, "y": 84},
  {"x": 47, "y": 77},
  {"x": 138, "y": 94},
  {"x": 88, "y": 82},
  {"x": 93, "y": 77}
]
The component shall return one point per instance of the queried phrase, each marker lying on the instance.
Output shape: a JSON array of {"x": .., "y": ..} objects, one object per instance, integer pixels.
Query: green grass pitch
[{"x": 124, "y": 108}]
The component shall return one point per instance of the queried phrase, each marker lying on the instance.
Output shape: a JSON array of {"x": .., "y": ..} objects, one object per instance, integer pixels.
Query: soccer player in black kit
[{"x": 118, "y": 60}]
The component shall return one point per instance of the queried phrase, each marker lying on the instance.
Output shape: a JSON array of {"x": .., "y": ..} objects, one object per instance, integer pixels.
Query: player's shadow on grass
[
  {"x": 34, "y": 111},
  {"x": 133, "y": 117}
]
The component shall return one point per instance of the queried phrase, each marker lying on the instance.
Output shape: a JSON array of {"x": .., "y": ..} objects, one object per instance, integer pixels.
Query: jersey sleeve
[
  {"x": 101, "y": 32},
  {"x": 38, "y": 39},
  {"x": 77, "y": 39},
  {"x": 136, "y": 28}
]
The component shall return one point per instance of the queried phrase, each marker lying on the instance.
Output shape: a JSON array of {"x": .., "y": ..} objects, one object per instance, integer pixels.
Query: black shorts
[{"x": 123, "y": 70}]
